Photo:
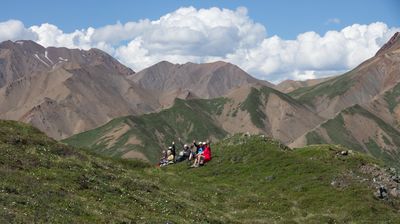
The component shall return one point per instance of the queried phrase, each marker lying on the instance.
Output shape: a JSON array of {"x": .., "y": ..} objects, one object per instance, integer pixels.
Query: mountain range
[
  {"x": 94, "y": 101},
  {"x": 65, "y": 91}
]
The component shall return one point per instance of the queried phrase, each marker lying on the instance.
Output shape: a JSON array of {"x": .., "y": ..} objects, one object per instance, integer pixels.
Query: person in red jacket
[
  {"x": 203, "y": 157},
  {"x": 206, "y": 153}
]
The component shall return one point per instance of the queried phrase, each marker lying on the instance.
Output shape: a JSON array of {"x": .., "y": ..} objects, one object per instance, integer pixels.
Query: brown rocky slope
[{"x": 66, "y": 91}]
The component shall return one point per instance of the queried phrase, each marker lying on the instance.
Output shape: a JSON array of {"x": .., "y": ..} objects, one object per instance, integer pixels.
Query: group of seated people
[{"x": 199, "y": 153}]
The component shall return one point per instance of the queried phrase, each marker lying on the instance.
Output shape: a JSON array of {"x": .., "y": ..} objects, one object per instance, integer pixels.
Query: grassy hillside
[
  {"x": 338, "y": 133},
  {"x": 331, "y": 88},
  {"x": 187, "y": 119},
  {"x": 392, "y": 97},
  {"x": 249, "y": 180},
  {"x": 255, "y": 101}
]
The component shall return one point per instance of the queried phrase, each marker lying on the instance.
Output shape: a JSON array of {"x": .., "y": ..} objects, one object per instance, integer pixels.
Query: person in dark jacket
[
  {"x": 184, "y": 154},
  {"x": 173, "y": 150}
]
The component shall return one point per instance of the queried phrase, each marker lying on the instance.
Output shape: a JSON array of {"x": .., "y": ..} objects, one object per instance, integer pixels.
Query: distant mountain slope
[
  {"x": 26, "y": 58},
  {"x": 387, "y": 106},
  {"x": 208, "y": 80},
  {"x": 288, "y": 86},
  {"x": 362, "y": 85},
  {"x": 357, "y": 128},
  {"x": 253, "y": 109},
  {"x": 260, "y": 109},
  {"x": 249, "y": 180},
  {"x": 66, "y": 91},
  {"x": 361, "y": 107}
]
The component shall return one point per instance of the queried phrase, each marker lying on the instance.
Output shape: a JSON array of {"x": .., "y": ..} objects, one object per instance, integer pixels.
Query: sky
[{"x": 272, "y": 40}]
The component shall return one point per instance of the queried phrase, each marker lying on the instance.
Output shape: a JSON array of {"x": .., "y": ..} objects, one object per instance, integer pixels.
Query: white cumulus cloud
[
  {"x": 204, "y": 35},
  {"x": 14, "y": 30},
  {"x": 336, "y": 51}
]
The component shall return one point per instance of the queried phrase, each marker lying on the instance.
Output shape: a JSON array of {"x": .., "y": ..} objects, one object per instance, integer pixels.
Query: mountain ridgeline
[{"x": 209, "y": 80}]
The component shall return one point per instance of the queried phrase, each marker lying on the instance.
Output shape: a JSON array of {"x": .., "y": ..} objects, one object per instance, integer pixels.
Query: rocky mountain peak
[
  {"x": 206, "y": 80},
  {"x": 392, "y": 44},
  {"x": 20, "y": 47}
]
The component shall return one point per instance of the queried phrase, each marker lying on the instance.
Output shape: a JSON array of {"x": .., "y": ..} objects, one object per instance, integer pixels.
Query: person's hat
[
  {"x": 185, "y": 146},
  {"x": 170, "y": 147}
]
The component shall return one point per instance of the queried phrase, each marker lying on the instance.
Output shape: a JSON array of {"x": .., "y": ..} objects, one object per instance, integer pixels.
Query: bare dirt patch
[
  {"x": 134, "y": 155},
  {"x": 112, "y": 137},
  {"x": 133, "y": 140}
]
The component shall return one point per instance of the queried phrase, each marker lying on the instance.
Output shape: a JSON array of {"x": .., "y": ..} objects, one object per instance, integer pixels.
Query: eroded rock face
[{"x": 393, "y": 43}]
